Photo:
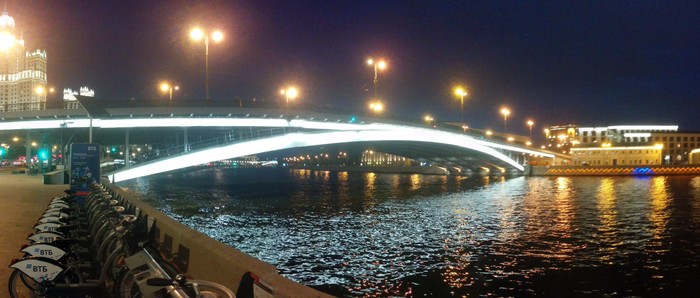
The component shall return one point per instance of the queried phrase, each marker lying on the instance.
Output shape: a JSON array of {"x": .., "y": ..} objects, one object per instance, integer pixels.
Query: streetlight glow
[
  {"x": 376, "y": 107},
  {"x": 378, "y": 65},
  {"x": 505, "y": 111},
  {"x": 530, "y": 123},
  {"x": 461, "y": 92},
  {"x": 290, "y": 93},
  {"x": 166, "y": 87},
  {"x": 217, "y": 36},
  {"x": 198, "y": 34}
]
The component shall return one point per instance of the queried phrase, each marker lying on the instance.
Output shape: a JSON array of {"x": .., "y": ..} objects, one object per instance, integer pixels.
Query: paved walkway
[{"x": 22, "y": 201}]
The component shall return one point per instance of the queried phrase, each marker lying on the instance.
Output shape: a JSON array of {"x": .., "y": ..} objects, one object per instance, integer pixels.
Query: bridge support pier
[
  {"x": 185, "y": 140},
  {"x": 126, "y": 150},
  {"x": 28, "y": 147}
]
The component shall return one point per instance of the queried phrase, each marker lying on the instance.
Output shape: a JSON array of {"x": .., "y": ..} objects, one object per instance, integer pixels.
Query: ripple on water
[{"x": 388, "y": 235}]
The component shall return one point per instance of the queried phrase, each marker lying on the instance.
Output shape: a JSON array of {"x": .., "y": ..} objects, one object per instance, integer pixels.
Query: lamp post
[
  {"x": 461, "y": 92},
  {"x": 376, "y": 107},
  {"x": 377, "y": 65},
  {"x": 198, "y": 34},
  {"x": 530, "y": 123},
  {"x": 429, "y": 119},
  {"x": 42, "y": 91},
  {"x": 505, "y": 112},
  {"x": 166, "y": 87},
  {"x": 289, "y": 93}
]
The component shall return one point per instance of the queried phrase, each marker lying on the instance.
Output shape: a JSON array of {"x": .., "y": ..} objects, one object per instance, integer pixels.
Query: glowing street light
[
  {"x": 429, "y": 119},
  {"x": 289, "y": 93},
  {"x": 530, "y": 123},
  {"x": 505, "y": 111},
  {"x": 166, "y": 87},
  {"x": 377, "y": 65},
  {"x": 376, "y": 107},
  {"x": 198, "y": 34},
  {"x": 461, "y": 92}
]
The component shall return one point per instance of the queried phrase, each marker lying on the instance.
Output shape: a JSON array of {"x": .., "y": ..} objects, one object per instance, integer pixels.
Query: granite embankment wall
[
  {"x": 202, "y": 257},
  {"x": 640, "y": 170}
]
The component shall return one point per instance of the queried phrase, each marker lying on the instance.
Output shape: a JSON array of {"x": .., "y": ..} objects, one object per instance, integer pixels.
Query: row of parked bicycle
[{"x": 98, "y": 246}]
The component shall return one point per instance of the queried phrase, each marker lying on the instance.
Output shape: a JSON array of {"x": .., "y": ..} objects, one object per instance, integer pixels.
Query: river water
[{"x": 366, "y": 234}]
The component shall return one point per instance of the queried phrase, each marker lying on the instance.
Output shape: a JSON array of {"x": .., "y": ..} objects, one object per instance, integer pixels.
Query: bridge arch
[{"x": 310, "y": 139}]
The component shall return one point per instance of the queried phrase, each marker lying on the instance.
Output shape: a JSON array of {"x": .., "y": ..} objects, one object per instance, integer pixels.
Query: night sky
[{"x": 592, "y": 63}]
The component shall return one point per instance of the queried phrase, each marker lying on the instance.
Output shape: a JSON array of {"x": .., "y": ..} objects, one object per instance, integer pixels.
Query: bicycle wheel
[
  {"x": 22, "y": 286},
  {"x": 208, "y": 289}
]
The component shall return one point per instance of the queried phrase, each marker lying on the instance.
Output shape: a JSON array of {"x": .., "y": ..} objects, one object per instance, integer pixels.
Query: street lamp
[
  {"x": 461, "y": 92},
  {"x": 198, "y": 34},
  {"x": 166, "y": 87},
  {"x": 377, "y": 65},
  {"x": 505, "y": 111},
  {"x": 376, "y": 107},
  {"x": 530, "y": 123},
  {"x": 289, "y": 93},
  {"x": 429, "y": 119}
]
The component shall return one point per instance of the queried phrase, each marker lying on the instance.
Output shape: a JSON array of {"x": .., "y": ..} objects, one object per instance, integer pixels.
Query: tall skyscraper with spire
[{"x": 22, "y": 74}]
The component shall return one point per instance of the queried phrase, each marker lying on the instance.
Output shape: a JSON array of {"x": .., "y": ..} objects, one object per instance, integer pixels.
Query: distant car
[{"x": 17, "y": 163}]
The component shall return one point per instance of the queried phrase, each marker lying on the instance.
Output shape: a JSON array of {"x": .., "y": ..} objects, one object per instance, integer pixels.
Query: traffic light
[
  {"x": 2, "y": 151},
  {"x": 114, "y": 149},
  {"x": 43, "y": 154},
  {"x": 353, "y": 119}
]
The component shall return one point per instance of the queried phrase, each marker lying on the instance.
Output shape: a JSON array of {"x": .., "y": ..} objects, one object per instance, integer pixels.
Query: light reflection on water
[{"x": 383, "y": 235}]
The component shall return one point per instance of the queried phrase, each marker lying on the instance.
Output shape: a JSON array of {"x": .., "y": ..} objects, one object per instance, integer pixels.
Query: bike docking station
[
  {"x": 99, "y": 241},
  {"x": 91, "y": 242}
]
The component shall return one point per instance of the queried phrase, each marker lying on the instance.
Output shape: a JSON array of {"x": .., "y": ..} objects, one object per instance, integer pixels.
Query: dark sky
[{"x": 585, "y": 62}]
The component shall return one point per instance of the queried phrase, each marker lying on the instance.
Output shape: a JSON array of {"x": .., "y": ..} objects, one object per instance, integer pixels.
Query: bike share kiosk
[{"x": 84, "y": 167}]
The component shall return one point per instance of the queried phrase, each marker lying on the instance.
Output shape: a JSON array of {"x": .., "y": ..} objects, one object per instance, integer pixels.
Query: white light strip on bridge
[
  {"x": 516, "y": 149},
  {"x": 186, "y": 122},
  {"x": 193, "y": 122},
  {"x": 334, "y": 125},
  {"x": 296, "y": 140},
  {"x": 41, "y": 124}
]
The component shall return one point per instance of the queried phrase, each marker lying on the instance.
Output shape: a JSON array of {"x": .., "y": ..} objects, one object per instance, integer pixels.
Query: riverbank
[
  {"x": 23, "y": 200},
  {"x": 641, "y": 170}
]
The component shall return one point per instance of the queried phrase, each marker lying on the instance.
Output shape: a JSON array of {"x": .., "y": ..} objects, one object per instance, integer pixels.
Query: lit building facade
[
  {"x": 617, "y": 156},
  {"x": 374, "y": 158},
  {"x": 22, "y": 74},
  {"x": 69, "y": 100},
  {"x": 677, "y": 145}
]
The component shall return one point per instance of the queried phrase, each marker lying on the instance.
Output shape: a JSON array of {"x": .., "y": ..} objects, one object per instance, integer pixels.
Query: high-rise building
[
  {"x": 22, "y": 73},
  {"x": 69, "y": 100}
]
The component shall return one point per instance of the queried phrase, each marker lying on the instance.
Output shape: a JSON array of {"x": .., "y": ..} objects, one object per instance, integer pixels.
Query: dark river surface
[{"x": 365, "y": 234}]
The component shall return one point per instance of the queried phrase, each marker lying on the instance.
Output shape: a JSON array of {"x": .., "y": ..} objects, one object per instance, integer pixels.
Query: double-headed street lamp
[
  {"x": 377, "y": 65},
  {"x": 376, "y": 107},
  {"x": 166, "y": 87},
  {"x": 289, "y": 93},
  {"x": 198, "y": 34},
  {"x": 505, "y": 111},
  {"x": 530, "y": 123},
  {"x": 461, "y": 92}
]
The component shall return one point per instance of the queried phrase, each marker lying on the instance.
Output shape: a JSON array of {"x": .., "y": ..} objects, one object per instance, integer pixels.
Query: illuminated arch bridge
[{"x": 453, "y": 150}]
